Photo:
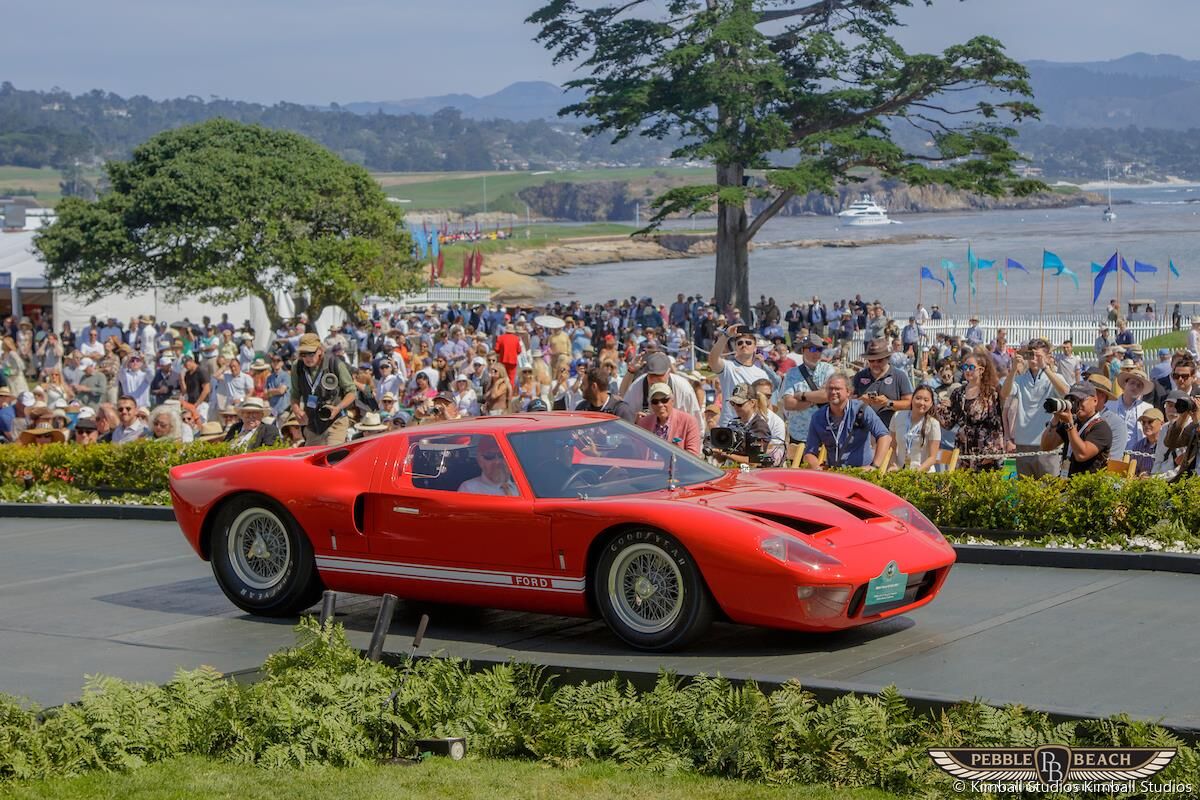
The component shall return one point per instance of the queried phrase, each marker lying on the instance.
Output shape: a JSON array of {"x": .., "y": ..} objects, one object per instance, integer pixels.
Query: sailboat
[{"x": 1109, "y": 214}]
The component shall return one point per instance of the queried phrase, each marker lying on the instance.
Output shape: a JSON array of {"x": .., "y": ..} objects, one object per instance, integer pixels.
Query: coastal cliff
[{"x": 617, "y": 200}]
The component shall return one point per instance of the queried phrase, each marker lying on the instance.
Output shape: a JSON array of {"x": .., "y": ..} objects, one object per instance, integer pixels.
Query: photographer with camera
[
  {"x": 850, "y": 430},
  {"x": 322, "y": 390},
  {"x": 745, "y": 367},
  {"x": 1076, "y": 422},
  {"x": 1183, "y": 436},
  {"x": 1034, "y": 380},
  {"x": 747, "y": 438}
]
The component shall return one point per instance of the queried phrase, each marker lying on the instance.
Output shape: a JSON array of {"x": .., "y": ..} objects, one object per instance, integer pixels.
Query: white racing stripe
[{"x": 471, "y": 577}]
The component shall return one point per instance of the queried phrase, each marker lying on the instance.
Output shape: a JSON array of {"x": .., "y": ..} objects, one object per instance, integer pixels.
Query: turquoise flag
[
  {"x": 953, "y": 285},
  {"x": 1000, "y": 279},
  {"x": 949, "y": 265},
  {"x": 984, "y": 263},
  {"x": 1171, "y": 265},
  {"x": 1051, "y": 261},
  {"x": 1073, "y": 276}
]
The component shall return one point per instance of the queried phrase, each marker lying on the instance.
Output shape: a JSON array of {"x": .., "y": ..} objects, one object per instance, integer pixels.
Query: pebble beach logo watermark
[{"x": 1058, "y": 768}]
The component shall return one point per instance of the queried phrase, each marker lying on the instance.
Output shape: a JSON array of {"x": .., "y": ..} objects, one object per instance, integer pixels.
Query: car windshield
[{"x": 607, "y": 459}]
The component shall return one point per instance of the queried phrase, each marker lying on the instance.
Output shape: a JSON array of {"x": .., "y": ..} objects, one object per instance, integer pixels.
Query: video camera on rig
[
  {"x": 1185, "y": 405},
  {"x": 736, "y": 441}
]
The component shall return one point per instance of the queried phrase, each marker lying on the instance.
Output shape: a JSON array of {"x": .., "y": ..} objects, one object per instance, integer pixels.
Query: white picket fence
[
  {"x": 1080, "y": 329},
  {"x": 425, "y": 297}
]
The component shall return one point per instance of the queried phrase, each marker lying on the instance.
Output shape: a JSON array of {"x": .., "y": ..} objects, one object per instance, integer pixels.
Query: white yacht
[{"x": 865, "y": 211}]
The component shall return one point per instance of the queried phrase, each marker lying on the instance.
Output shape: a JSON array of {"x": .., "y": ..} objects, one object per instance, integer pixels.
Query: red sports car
[{"x": 576, "y": 514}]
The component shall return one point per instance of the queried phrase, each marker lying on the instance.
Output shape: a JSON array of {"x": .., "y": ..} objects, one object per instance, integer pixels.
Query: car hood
[{"x": 848, "y": 522}]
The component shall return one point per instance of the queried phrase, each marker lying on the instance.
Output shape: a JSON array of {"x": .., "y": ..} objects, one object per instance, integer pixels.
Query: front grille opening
[
  {"x": 919, "y": 586},
  {"x": 799, "y": 525}
]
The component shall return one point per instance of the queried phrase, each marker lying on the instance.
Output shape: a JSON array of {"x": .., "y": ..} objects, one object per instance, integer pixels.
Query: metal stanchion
[
  {"x": 328, "y": 603},
  {"x": 387, "y": 609}
]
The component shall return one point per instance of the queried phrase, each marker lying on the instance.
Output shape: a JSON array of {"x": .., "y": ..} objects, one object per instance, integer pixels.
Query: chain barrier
[{"x": 1031, "y": 454}]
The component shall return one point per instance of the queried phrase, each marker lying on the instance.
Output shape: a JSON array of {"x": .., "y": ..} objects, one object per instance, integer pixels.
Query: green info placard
[{"x": 887, "y": 587}]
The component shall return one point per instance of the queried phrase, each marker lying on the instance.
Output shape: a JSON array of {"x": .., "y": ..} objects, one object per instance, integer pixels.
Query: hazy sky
[{"x": 345, "y": 50}]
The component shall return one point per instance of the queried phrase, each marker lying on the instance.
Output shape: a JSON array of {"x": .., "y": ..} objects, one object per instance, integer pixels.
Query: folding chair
[
  {"x": 948, "y": 459},
  {"x": 1125, "y": 467},
  {"x": 795, "y": 455}
]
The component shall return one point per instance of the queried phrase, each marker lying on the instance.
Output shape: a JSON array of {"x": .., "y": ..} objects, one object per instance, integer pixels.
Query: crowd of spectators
[{"x": 781, "y": 379}]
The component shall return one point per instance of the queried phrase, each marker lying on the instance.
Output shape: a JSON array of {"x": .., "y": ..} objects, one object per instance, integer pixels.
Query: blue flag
[
  {"x": 433, "y": 243},
  {"x": 1051, "y": 261},
  {"x": 422, "y": 242},
  {"x": 984, "y": 263},
  {"x": 1109, "y": 267},
  {"x": 1125, "y": 268},
  {"x": 927, "y": 275},
  {"x": 1011, "y": 264},
  {"x": 953, "y": 285},
  {"x": 1073, "y": 276},
  {"x": 1174, "y": 271},
  {"x": 1138, "y": 266}
]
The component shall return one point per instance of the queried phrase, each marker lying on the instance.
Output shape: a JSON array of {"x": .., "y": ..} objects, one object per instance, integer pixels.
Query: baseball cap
[
  {"x": 25, "y": 398},
  {"x": 742, "y": 393},
  {"x": 444, "y": 396},
  {"x": 1163, "y": 352},
  {"x": 658, "y": 364},
  {"x": 1152, "y": 413},
  {"x": 812, "y": 340},
  {"x": 166, "y": 361},
  {"x": 1081, "y": 390},
  {"x": 309, "y": 343},
  {"x": 660, "y": 388},
  {"x": 86, "y": 362},
  {"x": 85, "y": 423}
]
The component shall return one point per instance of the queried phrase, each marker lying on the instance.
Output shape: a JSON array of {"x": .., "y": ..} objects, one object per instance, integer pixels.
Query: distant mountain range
[
  {"x": 520, "y": 102},
  {"x": 1149, "y": 91}
]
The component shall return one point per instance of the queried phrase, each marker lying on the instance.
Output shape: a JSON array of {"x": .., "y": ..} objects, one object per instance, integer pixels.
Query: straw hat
[
  {"x": 30, "y": 434},
  {"x": 259, "y": 364},
  {"x": 1102, "y": 383},
  {"x": 371, "y": 422},
  {"x": 1138, "y": 374},
  {"x": 253, "y": 404},
  {"x": 210, "y": 432}
]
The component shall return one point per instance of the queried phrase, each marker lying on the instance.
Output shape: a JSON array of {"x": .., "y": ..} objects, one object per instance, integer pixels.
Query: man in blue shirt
[{"x": 851, "y": 431}]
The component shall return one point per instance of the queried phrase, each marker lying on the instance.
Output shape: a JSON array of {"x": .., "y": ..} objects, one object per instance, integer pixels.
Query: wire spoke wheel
[
  {"x": 646, "y": 589},
  {"x": 259, "y": 548}
]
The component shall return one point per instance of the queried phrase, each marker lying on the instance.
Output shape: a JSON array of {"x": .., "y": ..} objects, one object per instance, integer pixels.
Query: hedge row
[
  {"x": 1097, "y": 507},
  {"x": 137, "y": 466},
  {"x": 322, "y": 704}
]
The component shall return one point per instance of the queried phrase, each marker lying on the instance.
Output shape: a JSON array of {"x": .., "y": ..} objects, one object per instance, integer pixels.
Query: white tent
[{"x": 23, "y": 282}]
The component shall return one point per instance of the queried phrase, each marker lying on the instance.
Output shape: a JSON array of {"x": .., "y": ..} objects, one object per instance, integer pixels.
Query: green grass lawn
[
  {"x": 43, "y": 181},
  {"x": 1175, "y": 340},
  {"x": 197, "y": 778},
  {"x": 440, "y": 190}
]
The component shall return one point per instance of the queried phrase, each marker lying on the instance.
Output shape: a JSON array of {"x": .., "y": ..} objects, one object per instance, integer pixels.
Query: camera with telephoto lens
[
  {"x": 736, "y": 442},
  {"x": 1185, "y": 405},
  {"x": 1054, "y": 405}
]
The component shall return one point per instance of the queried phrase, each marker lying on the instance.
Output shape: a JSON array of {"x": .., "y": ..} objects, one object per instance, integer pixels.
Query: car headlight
[
  {"x": 909, "y": 514},
  {"x": 784, "y": 548}
]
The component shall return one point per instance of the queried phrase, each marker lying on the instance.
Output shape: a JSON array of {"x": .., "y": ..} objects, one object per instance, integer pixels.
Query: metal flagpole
[
  {"x": 1042, "y": 295},
  {"x": 1166, "y": 309},
  {"x": 1056, "y": 283},
  {"x": 920, "y": 288}
]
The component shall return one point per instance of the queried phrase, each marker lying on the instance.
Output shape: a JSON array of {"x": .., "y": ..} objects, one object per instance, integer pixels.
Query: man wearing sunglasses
[
  {"x": 1181, "y": 378},
  {"x": 494, "y": 478},
  {"x": 669, "y": 423},
  {"x": 802, "y": 391},
  {"x": 746, "y": 366},
  {"x": 882, "y": 387}
]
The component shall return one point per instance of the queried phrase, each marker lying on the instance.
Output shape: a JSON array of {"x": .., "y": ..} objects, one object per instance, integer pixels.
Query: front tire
[
  {"x": 263, "y": 562},
  {"x": 650, "y": 591}
]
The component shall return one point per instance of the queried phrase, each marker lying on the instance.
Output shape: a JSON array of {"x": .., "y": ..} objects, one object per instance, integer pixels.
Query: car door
[{"x": 430, "y": 508}]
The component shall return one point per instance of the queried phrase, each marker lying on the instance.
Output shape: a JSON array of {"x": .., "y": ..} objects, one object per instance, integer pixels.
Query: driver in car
[{"x": 495, "y": 478}]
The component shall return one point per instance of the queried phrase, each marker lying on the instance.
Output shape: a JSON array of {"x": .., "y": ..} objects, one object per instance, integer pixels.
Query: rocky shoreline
[{"x": 515, "y": 276}]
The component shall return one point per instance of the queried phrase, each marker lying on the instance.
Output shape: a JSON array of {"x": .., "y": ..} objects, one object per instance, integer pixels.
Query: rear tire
[
  {"x": 650, "y": 591},
  {"x": 262, "y": 560}
]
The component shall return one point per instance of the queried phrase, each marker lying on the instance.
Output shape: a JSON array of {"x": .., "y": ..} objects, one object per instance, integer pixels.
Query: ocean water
[{"x": 1152, "y": 225}]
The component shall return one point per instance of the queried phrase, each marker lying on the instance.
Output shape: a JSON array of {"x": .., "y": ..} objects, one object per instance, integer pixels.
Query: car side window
[{"x": 469, "y": 463}]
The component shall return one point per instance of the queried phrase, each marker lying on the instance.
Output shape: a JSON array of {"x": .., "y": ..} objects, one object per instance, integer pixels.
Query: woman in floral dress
[{"x": 975, "y": 409}]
